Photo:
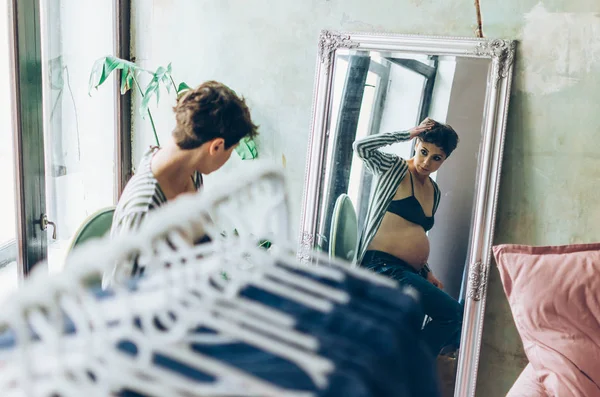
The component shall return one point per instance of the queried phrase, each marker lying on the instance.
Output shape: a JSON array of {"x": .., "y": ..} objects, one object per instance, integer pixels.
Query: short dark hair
[
  {"x": 441, "y": 135},
  {"x": 212, "y": 110}
]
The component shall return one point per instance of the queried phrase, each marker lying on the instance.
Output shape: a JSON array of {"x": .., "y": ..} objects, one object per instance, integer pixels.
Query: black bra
[{"x": 410, "y": 209}]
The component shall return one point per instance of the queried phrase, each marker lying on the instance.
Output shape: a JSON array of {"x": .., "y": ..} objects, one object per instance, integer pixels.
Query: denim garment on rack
[
  {"x": 346, "y": 356},
  {"x": 277, "y": 370},
  {"x": 341, "y": 321},
  {"x": 405, "y": 319},
  {"x": 261, "y": 364},
  {"x": 378, "y": 373},
  {"x": 393, "y": 352},
  {"x": 344, "y": 381},
  {"x": 404, "y": 314},
  {"x": 380, "y": 295},
  {"x": 271, "y": 368}
]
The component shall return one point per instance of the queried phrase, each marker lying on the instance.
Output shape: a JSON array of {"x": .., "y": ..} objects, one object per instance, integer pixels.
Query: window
[
  {"x": 8, "y": 247},
  {"x": 79, "y": 138}
]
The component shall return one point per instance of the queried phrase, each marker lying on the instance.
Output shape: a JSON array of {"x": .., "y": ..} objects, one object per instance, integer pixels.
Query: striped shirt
[
  {"x": 142, "y": 195},
  {"x": 389, "y": 171}
]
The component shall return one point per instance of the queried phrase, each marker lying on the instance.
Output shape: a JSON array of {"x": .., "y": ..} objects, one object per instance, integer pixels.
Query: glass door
[
  {"x": 64, "y": 139},
  {"x": 79, "y": 137}
]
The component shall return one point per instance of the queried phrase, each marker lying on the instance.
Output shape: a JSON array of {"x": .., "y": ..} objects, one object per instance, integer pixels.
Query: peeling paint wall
[{"x": 266, "y": 50}]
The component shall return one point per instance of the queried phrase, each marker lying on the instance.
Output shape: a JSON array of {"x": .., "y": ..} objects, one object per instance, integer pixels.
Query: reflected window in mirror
[{"x": 376, "y": 92}]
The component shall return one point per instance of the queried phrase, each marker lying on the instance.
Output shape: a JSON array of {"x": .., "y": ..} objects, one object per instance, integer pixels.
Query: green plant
[
  {"x": 130, "y": 73},
  {"x": 262, "y": 243}
]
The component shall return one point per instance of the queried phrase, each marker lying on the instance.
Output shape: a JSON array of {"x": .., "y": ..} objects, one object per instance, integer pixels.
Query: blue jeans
[
  {"x": 379, "y": 330},
  {"x": 279, "y": 371},
  {"x": 445, "y": 312}
]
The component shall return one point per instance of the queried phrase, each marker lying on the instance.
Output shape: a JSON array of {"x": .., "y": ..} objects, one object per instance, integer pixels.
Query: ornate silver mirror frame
[{"x": 501, "y": 53}]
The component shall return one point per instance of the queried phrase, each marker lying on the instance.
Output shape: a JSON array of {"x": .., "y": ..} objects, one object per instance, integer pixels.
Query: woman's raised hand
[{"x": 425, "y": 125}]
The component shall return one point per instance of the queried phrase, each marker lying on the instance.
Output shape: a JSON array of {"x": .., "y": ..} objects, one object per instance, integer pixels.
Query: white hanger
[
  {"x": 191, "y": 291},
  {"x": 315, "y": 366},
  {"x": 211, "y": 265},
  {"x": 241, "y": 279},
  {"x": 120, "y": 368},
  {"x": 226, "y": 323},
  {"x": 202, "y": 223},
  {"x": 272, "y": 199},
  {"x": 189, "y": 285},
  {"x": 48, "y": 377},
  {"x": 198, "y": 364}
]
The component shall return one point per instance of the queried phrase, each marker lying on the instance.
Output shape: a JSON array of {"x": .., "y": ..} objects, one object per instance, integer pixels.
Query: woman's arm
[
  {"x": 377, "y": 161},
  {"x": 368, "y": 149}
]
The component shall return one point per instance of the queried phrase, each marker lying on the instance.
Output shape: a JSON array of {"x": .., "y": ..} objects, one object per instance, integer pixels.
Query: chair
[
  {"x": 95, "y": 226},
  {"x": 343, "y": 238}
]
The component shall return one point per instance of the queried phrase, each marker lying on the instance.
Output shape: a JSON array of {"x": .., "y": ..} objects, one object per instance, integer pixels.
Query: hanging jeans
[{"x": 445, "y": 312}]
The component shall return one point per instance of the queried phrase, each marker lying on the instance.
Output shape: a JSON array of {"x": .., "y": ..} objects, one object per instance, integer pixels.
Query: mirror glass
[{"x": 373, "y": 93}]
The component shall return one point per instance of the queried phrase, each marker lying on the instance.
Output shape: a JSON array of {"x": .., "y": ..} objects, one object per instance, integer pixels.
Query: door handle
[{"x": 44, "y": 222}]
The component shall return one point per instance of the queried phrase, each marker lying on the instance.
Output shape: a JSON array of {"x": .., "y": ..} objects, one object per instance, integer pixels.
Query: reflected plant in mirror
[{"x": 389, "y": 187}]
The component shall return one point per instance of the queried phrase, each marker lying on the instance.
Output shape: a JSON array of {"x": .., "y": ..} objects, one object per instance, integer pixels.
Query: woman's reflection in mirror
[{"x": 394, "y": 238}]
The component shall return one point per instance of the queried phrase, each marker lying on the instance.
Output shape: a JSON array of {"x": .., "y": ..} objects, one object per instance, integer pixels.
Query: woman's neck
[
  {"x": 422, "y": 179},
  {"x": 172, "y": 167}
]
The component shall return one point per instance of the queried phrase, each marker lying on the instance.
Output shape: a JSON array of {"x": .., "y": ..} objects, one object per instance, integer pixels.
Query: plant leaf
[
  {"x": 103, "y": 67},
  {"x": 126, "y": 80},
  {"x": 162, "y": 74},
  {"x": 182, "y": 88},
  {"x": 266, "y": 244},
  {"x": 152, "y": 89},
  {"x": 94, "y": 75},
  {"x": 247, "y": 149},
  {"x": 167, "y": 79},
  {"x": 56, "y": 70}
]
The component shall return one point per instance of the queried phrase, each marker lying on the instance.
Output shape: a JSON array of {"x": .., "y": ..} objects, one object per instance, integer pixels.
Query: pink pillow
[
  {"x": 554, "y": 295},
  {"x": 527, "y": 385}
]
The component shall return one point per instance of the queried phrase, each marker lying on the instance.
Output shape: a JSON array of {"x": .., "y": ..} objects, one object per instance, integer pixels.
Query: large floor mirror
[{"x": 371, "y": 94}]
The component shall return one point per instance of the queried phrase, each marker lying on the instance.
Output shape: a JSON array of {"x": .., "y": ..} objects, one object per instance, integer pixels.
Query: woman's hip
[{"x": 387, "y": 264}]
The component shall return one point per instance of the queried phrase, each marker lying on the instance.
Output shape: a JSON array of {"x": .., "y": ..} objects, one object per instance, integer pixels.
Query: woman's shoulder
[
  {"x": 400, "y": 163},
  {"x": 146, "y": 158},
  {"x": 150, "y": 152}
]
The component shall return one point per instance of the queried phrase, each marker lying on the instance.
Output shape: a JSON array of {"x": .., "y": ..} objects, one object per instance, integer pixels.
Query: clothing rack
[{"x": 221, "y": 318}]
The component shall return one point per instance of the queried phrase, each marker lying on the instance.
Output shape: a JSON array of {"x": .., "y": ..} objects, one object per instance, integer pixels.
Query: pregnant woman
[{"x": 394, "y": 238}]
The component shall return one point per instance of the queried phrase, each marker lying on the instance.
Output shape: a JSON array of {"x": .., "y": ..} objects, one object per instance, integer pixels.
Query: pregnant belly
[{"x": 403, "y": 239}]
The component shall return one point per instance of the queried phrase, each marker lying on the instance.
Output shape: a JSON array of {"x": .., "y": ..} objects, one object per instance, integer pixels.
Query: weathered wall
[{"x": 266, "y": 49}]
